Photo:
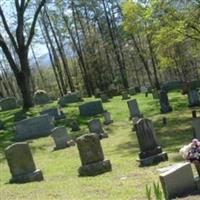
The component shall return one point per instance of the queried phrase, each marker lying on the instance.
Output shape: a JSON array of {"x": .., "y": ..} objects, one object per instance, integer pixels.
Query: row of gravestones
[{"x": 177, "y": 180}]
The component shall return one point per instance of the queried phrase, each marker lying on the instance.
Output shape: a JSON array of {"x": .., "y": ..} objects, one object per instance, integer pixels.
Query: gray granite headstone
[
  {"x": 164, "y": 102},
  {"x": 8, "y": 103},
  {"x": 178, "y": 181},
  {"x": 150, "y": 150},
  {"x": 107, "y": 118},
  {"x": 55, "y": 113},
  {"x": 60, "y": 137},
  {"x": 134, "y": 109},
  {"x": 193, "y": 98},
  {"x": 91, "y": 155},
  {"x": 41, "y": 97},
  {"x": 91, "y": 108},
  {"x": 196, "y": 128},
  {"x": 75, "y": 126},
  {"x": 95, "y": 126},
  {"x": 21, "y": 164},
  {"x": 34, "y": 127}
]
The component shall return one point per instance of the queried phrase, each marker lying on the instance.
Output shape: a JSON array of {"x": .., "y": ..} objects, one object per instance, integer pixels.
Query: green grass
[{"x": 126, "y": 181}]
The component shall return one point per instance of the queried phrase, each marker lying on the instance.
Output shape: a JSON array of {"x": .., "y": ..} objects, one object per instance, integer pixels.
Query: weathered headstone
[
  {"x": 196, "y": 128},
  {"x": 178, "y": 181},
  {"x": 104, "y": 98},
  {"x": 91, "y": 155},
  {"x": 193, "y": 98},
  {"x": 143, "y": 89},
  {"x": 73, "y": 97},
  {"x": 150, "y": 150},
  {"x": 41, "y": 97},
  {"x": 96, "y": 127},
  {"x": 131, "y": 91},
  {"x": 21, "y": 164},
  {"x": 91, "y": 108},
  {"x": 8, "y": 103},
  {"x": 107, "y": 118},
  {"x": 164, "y": 102},
  {"x": 60, "y": 137},
  {"x": 134, "y": 109},
  {"x": 125, "y": 95},
  {"x": 34, "y": 127},
  {"x": 74, "y": 125},
  {"x": 55, "y": 113}
]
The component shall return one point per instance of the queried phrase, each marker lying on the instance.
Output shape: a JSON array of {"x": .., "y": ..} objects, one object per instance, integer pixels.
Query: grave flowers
[{"x": 191, "y": 152}]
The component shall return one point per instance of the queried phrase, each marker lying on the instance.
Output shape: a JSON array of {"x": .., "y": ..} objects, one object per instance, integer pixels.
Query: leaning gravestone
[
  {"x": 34, "y": 127},
  {"x": 8, "y": 103},
  {"x": 96, "y": 127},
  {"x": 104, "y": 98},
  {"x": 196, "y": 128},
  {"x": 55, "y": 113},
  {"x": 73, "y": 97},
  {"x": 178, "y": 181},
  {"x": 91, "y": 108},
  {"x": 125, "y": 96},
  {"x": 74, "y": 126},
  {"x": 60, "y": 137},
  {"x": 164, "y": 102},
  {"x": 107, "y": 118},
  {"x": 41, "y": 97},
  {"x": 21, "y": 164},
  {"x": 193, "y": 98},
  {"x": 91, "y": 155},
  {"x": 134, "y": 109},
  {"x": 150, "y": 150}
]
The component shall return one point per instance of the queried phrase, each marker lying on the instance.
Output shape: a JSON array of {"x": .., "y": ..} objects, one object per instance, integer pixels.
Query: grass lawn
[{"x": 126, "y": 181}]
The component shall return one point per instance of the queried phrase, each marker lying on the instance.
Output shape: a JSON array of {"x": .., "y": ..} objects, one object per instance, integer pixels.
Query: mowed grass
[{"x": 127, "y": 181}]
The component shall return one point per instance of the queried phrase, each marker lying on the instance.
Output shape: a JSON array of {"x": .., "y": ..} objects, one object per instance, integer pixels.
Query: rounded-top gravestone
[{"x": 41, "y": 97}]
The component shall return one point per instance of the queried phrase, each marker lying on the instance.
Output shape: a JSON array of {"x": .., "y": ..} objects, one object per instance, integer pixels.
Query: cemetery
[{"x": 99, "y": 100}]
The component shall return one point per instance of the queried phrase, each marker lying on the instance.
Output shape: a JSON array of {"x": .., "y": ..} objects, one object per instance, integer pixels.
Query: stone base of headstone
[
  {"x": 95, "y": 168},
  {"x": 153, "y": 159},
  {"x": 31, "y": 177},
  {"x": 68, "y": 144},
  {"x": 108, "y": 122}
]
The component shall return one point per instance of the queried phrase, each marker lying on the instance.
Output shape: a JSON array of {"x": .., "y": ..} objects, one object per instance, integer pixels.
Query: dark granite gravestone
[
  {"x": 107, "y": 118},
  {"x": 193, "y": 98},
  {"x": 41, "y": 97},
  {"x": 125, "y": 95},
  {"x": 91, "y": 155},
  {"x": 164, "y": 102},
  {"x": 34, "y": 127},
  {"x": 21, "y": 164},
  {"x": 134, "y": 109},
  {"x": 73, "y": 97},
  {"x": 74, "y": 126},
  {"x": 8, "y": 103},
  {"x": 55, "y": 113},
  {"x": 150, "y": 150},
  {"x": 104, "y": 98},
  {"x": 96, "y": 127},
  {"x": 91, "y": 108}
]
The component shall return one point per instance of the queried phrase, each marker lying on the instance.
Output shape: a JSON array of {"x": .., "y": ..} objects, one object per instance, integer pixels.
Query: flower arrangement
[{"x": 191, "y": 152}]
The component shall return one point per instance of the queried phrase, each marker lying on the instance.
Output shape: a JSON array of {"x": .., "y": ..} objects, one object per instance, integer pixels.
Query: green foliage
[{"x": 158, "y": 195}]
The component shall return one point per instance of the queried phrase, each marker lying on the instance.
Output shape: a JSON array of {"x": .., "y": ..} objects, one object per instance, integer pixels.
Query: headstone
[
  {"x": 104, "y": 98},
  {"x": 8, "y": 103},
  {"x": 1, "y": 125},
  {"x": 150, "y": 150},
  {"x": 96, "y": 127},
  {"x": 91, "y": 108},
  {"x": 137, "y": 89},
  {"x": 55, "y": 113},
  {"x": 134, "y": 109},
  {"x": 178, "y": 181},
  {"x": 34, "y": 127},
  {"x": 143, "y": 89},
  {"x": 91, "y": 155},
  {"x": 164, "y": 102},
  {"x": 74, "y": 126},
  {"x": 73, "y": 97},
  {"x": 131, "y": 91},
  {"x": 41, "y": 97},
  {"x": 196, "y": 128},
  {"x": 21, "y": 164},
  {"x": 60, "y": 137},
  {"x": 107, "y": 118},
  {"x": 193, "y": 98},
  {"x": 125, "y": 96}
]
